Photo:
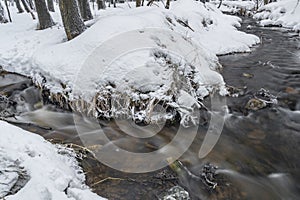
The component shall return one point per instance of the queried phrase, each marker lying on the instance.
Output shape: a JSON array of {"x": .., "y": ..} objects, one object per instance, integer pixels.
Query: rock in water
[
  {"x": 261, "y": 99},
  {"x": 255, "y": 104},
  {"x": 177, "y": 193}
]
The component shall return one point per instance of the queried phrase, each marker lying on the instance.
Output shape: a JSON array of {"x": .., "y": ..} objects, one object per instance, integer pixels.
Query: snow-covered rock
[
  {"x": 52, "y": 171},
  {"x": 285, "y": 13}
]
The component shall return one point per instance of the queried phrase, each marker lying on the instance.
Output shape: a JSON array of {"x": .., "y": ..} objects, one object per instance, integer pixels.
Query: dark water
[
  {"x": 268, "y": 139},
  {"x": 257, "y": 154}
]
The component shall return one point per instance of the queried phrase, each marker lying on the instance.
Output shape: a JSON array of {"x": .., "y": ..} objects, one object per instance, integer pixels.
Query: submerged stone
[{"x": 255, "y": 104}]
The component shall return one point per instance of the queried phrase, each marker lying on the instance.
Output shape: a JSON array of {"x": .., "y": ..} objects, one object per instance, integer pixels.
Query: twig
[
  {"x": 184, "y": 24},
  {"x": 106, "y": 179}
]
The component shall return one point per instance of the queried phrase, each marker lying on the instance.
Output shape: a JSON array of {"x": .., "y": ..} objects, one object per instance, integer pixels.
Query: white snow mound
[
  {"x": 53, "y": 171},
  {"x": 285, "y": 13}
]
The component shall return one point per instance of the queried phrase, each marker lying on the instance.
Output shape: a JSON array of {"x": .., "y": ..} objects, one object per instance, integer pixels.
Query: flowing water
[{"x": 257, "y": 154}]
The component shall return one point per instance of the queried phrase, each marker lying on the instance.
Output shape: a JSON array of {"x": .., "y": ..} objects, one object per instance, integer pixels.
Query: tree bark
[
  {"x": 8, "y": 12},
  {"x": 85, "y": 10},
  {"x": 112, "y": 2},
  {"x": 45, "y": 19},
  {"x": 27, "y": 8},
  {"x": 168, "y": 4},
  {"x": 50, "y": 5},
  {"x": 30, "y": 2},
  {"x": 19, "y": 7},
  {"x": 2, "y": 16},
  {"x": 25, "y": 5},
  {"x": 101, "y": 4},
  {"x": 73, "y": 24},
  {"x": 138, "y": 3}
]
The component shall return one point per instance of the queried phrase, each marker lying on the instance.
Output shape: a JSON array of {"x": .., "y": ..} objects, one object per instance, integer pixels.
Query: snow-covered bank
[
  {"x": 53, "y": 171},
  {"x": 55, "y": 64},
  {"x": 240, "y": 7},
  {"x": 285, "y": 13}
]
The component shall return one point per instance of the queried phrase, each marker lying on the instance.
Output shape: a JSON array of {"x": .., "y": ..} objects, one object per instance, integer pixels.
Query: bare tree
[
  {"x": 85, "y": 10},
  {"x": 112, "y": 2},
  {"x": 30, "y": 2},
  {"x": 19, "y": 7},
  {"x": 50, "y": 5},
  {"x": 101, "y": 4},
  {"x": 150, "y": 2},
  {"x": 25, "y": 5},
  {"x": 8, "y": 12},
  {"x": 27, "y": 8},
  {"x": 168, "y": 4},
  {"x": 2, "y": 15},
  {"x": 138, "y": 3},
  {"x": 72, "y": 21},
  {"x": 45, "y": 19}
]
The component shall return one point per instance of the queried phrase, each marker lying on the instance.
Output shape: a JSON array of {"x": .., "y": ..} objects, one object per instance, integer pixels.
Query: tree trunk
[
  {"x": 19, "y": 7},
  {"x": 45, "y": 20},
  {"x": 112, "y": 2},
  {"x": 30, "y": 2},
  {"x": 27, "y": 8},
  {"x": 25, "y": 5},
  {"x": 2, "y": 15},
  {"x": 71, "y": 18},
  {"x": 85, "y": 10},
  {"x": 50, "y": 5},
  {"x": 8, "y": 12},
  {"x": 138, "y": 3},
  {"x": 168, "y": 4},
  {"x": 150, "y": 2},
  {"x": 101, "y": 4}
]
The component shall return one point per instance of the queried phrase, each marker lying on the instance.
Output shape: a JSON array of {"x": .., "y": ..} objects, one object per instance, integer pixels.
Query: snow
[
  {"x": 25, "y": 50},
  {"x": 47, "y": 55},
  {"x": 235, "y": 6},
  {"x": 53, "y": 170},
  {"x": 285, "y": 13}
]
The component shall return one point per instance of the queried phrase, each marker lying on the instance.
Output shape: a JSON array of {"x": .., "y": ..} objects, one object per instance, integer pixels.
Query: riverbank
[
  {"x": 57, "y": 66},
  {"x": 257, "y": 151},
  {"x": 283, "y": 13},
  {"x": 33, "y": 168}
]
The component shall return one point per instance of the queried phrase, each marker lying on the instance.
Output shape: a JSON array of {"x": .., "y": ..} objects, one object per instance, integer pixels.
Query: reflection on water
[{"x": 257, "y": 154}]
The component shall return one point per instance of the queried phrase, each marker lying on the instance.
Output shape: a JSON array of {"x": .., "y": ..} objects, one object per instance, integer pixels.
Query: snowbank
[
  {"x": 285, "y": 13},
  {"x": 53, "y": 171},
  {"x": 58, "y": 65},
  {"x": 240, "y": 7}
]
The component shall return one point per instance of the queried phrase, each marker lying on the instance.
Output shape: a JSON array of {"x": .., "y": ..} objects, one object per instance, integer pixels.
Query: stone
[{"x": 255, "y": 104}]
